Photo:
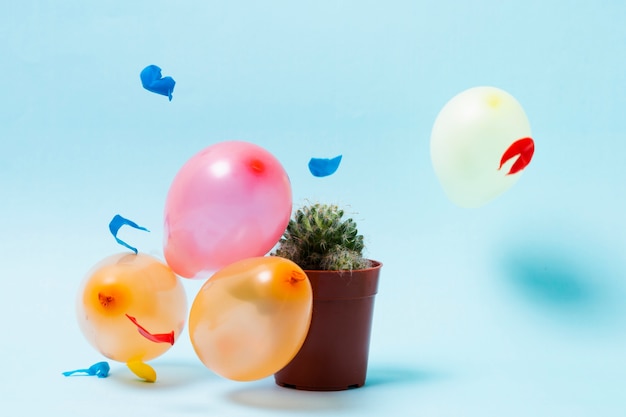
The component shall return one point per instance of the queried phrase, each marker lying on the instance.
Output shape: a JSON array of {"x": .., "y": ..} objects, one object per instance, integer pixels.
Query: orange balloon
[
  {"x": 131, "y": 307},
  {"x": 250, "y": 319}
]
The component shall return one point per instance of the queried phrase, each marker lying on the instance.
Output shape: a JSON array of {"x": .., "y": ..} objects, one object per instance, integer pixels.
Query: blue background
[{"x": 512, "y": 309}]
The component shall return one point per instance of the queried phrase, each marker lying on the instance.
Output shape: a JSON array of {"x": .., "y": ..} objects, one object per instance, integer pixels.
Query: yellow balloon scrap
[{"x": 142, "y": 370}]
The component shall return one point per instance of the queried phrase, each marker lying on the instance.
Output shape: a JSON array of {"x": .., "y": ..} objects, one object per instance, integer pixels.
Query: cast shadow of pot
[
  {"x": 391, "y": 375},
  {"x": 273, "y": 397}
]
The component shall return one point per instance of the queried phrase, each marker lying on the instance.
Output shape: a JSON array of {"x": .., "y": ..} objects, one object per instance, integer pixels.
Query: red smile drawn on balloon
[
  {"x": 524, "y": 148},
  {"x": 157, "y": 338}
]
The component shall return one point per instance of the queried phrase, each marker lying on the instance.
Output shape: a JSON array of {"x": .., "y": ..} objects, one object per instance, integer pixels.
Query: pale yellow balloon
[
  {"x": 125, "y": 301},
  {"x": 250, "y": 319},
  {"x": 469, "y": 138}
]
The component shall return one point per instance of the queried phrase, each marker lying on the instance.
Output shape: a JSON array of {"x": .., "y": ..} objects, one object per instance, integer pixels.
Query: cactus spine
[{"x": 318, "y": 238}]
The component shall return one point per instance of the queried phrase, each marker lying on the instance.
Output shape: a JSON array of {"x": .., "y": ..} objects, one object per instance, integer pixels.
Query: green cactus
[{"x": 318, "y": 238}]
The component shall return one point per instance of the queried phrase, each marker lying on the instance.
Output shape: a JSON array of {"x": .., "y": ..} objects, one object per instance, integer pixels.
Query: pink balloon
[{"x": 228, "y": 202}]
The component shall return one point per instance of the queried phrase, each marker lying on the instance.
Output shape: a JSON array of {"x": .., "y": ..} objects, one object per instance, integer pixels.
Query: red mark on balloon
[
  {"x": 157, "y": 338},
  {"x": 257, "y": 166},
  {"x": 524, "y": 149}
]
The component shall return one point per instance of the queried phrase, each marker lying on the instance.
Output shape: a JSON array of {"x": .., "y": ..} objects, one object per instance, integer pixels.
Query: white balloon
[{"x": 480, "y": 143}]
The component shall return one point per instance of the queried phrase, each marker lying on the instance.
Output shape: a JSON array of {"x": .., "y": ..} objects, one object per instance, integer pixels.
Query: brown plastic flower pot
[{"x": 335, "y": 352}]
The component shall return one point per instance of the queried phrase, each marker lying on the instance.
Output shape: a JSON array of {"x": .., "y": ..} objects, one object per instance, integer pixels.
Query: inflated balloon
[
  {"x": 131, "y": 308},
  {"x": 229, "y": 202},
  {"x": 250, "y": 319},
  {"x": 480, "y": 143}
]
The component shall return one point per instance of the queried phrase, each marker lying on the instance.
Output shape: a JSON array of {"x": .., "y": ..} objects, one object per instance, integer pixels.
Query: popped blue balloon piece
[
  {"x": 119, "y": 221},
  {"x": 152, "y": 81},
  {"x": 100, "y": 369},
  {"x": 323, "y": 167}
]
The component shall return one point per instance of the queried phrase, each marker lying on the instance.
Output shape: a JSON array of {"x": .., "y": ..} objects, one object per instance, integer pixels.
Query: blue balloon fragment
[
  {"x": 152, "y": 81},
  {"x": 100, "y": 369},
  {"x": 116, "y": 223},
  {"x": 323, "y": 167}
]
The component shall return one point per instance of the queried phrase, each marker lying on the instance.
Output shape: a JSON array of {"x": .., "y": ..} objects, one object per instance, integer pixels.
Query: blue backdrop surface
[{"x": 516, "y": 308}]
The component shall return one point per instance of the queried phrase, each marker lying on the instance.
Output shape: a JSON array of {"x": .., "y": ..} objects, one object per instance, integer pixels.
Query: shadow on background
[
  {"x": 273, "y": 397},
  {"x": 277, "y": 398},
  {"x": 572, "y": 285},
  {"x": 391, "y": 375},
  {"x": 170, "y": 374}
]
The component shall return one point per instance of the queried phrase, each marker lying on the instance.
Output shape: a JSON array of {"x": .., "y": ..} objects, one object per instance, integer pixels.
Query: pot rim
[
  {"x": 330, "y": 285},
  {"x": 375, "y": 265}
]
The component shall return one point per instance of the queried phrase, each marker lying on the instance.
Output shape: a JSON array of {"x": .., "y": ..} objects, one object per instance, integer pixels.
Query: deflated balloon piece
[
  {"x": 323, "y": 167},
  {"x": 152, "y": 81}
]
